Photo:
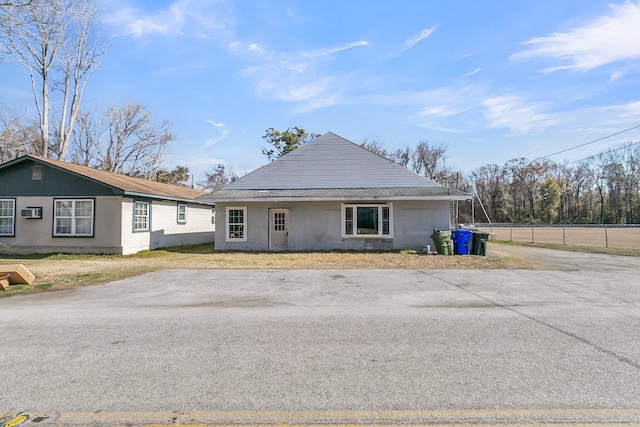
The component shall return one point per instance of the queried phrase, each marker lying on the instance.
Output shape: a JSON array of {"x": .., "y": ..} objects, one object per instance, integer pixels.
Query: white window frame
[
  {"x": 73, "y": 217},
  {"x": 182, "y": 216},
  {"x": 355, "y": 234},
  {"x": 12, "y": 217},
  {"x": 228, "y": 237},
  {"x": 147, "y": 216},
  {"x": 213, "y": 215}
]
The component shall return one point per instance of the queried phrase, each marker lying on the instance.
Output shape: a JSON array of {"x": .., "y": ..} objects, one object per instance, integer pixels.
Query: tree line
[{"x": 602, "y": 189}]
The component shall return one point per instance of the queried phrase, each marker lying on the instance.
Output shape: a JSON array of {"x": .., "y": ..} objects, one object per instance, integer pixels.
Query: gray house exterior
[
  {"x": 52, "y": 206},
  {"x": 330, "y": 194}
]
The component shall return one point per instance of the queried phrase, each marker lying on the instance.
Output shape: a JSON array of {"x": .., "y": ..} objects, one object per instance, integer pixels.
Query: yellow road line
[
  {"x": 16, "y": 420},
  {"x": 527, "y": 417}
]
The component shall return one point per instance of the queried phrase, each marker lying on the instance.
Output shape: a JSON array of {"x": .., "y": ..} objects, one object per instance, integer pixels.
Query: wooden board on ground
[{"x": 15, "y": 274}]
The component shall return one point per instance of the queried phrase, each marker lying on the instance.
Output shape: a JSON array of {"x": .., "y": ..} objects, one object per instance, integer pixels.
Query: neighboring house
[
  {"x": 53, "y": 206},
  {"x": 330, "y": 194}
]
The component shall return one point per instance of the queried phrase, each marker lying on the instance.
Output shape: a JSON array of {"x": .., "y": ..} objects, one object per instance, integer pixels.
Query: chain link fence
[{"x": 604, "y": 236}]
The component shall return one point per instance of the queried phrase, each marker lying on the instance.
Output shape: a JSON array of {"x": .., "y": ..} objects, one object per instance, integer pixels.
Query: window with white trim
[
  {"x": 213, "y": 215},
  {"x": 364, "y": 220},
  {"x": 182, "y": 213},
  {"x": 236, "y": 224},
  {"x": 7, "y": 217},
  {"x": 140, "y": 216},
  {"x": 73, "y": 217}
]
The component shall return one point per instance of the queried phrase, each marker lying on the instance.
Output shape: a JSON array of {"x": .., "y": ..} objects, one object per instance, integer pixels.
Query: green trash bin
[
  {"x": 442, "y": 241},
  {"x": 479, "y": 243}
]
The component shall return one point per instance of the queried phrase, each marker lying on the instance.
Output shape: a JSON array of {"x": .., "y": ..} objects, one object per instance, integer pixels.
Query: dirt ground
[
  {"x": 598, "y": 237},
  {"x": 63, "y": 271}
]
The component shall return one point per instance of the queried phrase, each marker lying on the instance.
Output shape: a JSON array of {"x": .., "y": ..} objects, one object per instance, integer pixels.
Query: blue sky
[{"x": 492, "y": 80}]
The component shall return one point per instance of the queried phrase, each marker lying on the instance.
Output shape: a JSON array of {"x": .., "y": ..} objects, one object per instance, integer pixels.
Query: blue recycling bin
[{"x": 461, "y": 241}]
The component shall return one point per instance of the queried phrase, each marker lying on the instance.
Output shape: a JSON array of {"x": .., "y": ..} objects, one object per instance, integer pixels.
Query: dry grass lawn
[{"x": 60, "y": 271}]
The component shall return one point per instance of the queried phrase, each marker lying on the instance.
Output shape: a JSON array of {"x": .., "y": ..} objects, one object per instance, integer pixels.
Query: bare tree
[
  {"x": 527, "y": 176},
  {"x": 218, "y": 179},
  {"x": 123, "y": 140},
  {"x": 16, "y": 137},
  {"x": 490, "y": 185},
  {"x": 402, "y": 156},
  {"x": 375, "y": 147},
  {"x": 428, "y": 160},
  {"x": 54, "y": 40},
  {"x": 178, "y": 176},
  {"x": 16, "y": 3}
]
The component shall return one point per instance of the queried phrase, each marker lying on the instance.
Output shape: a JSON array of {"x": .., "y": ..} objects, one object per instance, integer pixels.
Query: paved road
[{"x": 534, "y": 345}]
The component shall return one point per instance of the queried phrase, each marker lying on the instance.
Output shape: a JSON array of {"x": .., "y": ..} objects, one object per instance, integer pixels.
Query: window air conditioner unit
[{"x": 35, "y": 213}]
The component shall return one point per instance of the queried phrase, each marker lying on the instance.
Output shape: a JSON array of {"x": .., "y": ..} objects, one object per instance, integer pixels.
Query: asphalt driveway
[{"x": 196, "y": 340}]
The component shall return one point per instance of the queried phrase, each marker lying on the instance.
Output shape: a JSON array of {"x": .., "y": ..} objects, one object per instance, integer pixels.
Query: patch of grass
[
  {"x": 206, "y": 248},
  {"x": 409, "y": 251},
  {"x": 90, "y": 278}
]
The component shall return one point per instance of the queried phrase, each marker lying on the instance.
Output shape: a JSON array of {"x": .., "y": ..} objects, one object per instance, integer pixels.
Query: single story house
[
  {"x": 53, "y": 206},
  {"x": 330, "y": 194}
]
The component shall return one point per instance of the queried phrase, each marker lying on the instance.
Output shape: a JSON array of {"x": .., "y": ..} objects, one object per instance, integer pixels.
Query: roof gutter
[
  {"x": 336, "y": 199},
  {"x": 175, "y": 199}
]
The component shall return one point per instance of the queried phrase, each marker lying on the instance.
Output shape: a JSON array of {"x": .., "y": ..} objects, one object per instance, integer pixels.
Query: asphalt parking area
[{"x": 356, "y": 340}]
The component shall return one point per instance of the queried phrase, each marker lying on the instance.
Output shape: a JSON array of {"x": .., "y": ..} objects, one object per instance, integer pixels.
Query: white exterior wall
[
  {"x": 165, "y": 230},
  {"x": 318, "y": 226},
  {"x": 36, "y": 235},
  {"x": 137, "y": 241}
]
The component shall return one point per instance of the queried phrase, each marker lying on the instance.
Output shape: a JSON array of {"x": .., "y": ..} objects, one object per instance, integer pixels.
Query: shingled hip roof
[{"x": 332, "y": 168}]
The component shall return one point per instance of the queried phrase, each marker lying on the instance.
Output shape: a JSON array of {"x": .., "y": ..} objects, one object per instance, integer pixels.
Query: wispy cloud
[
  {"x": 302, "y": 77},
  {"x": 214, "y": 140},
  {"x": 516, "y": 114},
  {"x": 181, "y": 18},
  {"x": 607, "y": 39},
  {"x": 304, "y": 92},
  {"x": 628, "y": 110},
  {"x": 217, "y": 138},
  {"x": 471, "y": 73},
  {"x": 412, "y": 41},
  {"x": 617, "y": 75},
  {"x": 332, "y": 50},
  {"x": 440, "y": 111}
]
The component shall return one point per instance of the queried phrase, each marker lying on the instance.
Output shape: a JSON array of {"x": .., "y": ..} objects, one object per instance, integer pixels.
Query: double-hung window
[
  {"x": 182, "y": 213},
  {"x": 236, "y": 224},
  {"x": 140, "y": 216},
  {"x": 73, "y": 217},
  {"x": 364, "y": 220},
  {"x": 7, "y": 217}
]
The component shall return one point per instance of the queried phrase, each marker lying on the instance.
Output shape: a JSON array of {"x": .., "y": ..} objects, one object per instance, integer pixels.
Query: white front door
[{"x": 278, "y": 229}]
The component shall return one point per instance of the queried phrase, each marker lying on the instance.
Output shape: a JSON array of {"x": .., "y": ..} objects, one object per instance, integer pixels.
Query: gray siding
[
  {"x": 17, "y": 181},
  {"x": 330, "y": 162},
  {"x": 318, "y": 226},
  {"x": 36, "y": 235}
]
